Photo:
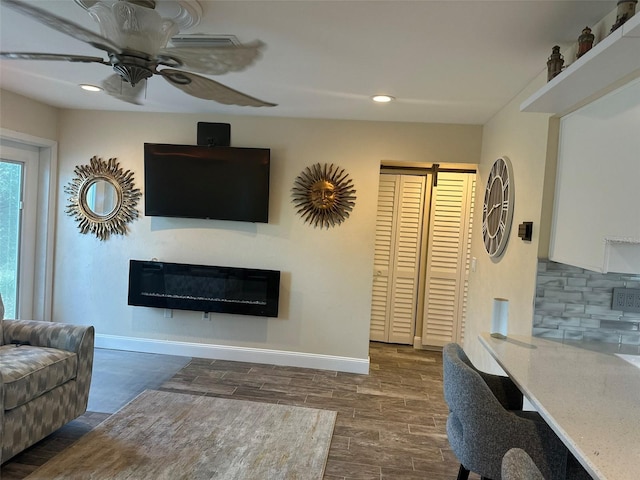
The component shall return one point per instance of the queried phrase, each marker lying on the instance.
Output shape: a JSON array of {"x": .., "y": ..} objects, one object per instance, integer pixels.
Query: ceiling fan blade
[
  {"x": 116, "y": 87},
  {"x": 212, "y": 60},
  {"x": 51, "y": 56},
  {"x": 64, "y": 26},
  {"x": 208, "y": 89}
]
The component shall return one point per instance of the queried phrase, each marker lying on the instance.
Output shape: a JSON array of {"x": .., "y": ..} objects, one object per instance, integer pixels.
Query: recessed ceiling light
[
  {"x": 382, "y": 98},
  {"x": 90, "y": 88}
]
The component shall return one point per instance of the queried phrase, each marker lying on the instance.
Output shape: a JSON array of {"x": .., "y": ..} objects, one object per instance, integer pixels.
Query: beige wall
[
  {"x": 326, "y": 274},
  {"x": 523, "y": 138},
  {"x": 27, "y": 116}
]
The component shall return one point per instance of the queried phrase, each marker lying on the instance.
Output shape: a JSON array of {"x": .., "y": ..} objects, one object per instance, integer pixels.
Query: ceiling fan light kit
[
  {"x": 186, "y": 13},
  {"x": 135, "y": 37},
  {"x": 136, "y": 28}
]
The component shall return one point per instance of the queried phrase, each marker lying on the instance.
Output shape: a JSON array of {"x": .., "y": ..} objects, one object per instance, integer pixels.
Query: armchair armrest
[
  {"x": 72, "y": 338},
  {"x": 47, "y": 334}
]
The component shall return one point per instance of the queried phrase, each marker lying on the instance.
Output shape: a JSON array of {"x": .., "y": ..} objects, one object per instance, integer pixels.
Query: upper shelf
[{"x": 609, "y": 64}]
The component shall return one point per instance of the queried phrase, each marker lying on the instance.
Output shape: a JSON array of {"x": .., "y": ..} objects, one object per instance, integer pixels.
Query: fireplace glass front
[{"x": 204, "y": 288}]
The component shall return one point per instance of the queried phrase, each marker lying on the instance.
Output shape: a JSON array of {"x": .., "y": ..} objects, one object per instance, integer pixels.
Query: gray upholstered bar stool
[
  {"x": 481, "y": 430},
  {"x": 517, "y": 465}
]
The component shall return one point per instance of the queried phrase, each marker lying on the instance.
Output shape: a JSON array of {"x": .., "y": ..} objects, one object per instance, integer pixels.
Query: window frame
[{"x": 36, "y": 255}]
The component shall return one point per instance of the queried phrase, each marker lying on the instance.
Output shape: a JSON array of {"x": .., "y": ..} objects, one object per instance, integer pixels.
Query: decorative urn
[{"x": 554, "y": 63}]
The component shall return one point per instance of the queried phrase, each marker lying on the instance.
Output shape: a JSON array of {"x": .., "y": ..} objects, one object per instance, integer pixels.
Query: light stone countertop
[{"x": 586, "y": 393}]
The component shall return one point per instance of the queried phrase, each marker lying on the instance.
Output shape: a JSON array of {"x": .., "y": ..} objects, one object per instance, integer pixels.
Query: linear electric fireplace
[{"x": 204, "y": 288}]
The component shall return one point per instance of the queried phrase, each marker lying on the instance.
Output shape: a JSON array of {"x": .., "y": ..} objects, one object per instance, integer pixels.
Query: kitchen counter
[{"x": 588, "y": 394}]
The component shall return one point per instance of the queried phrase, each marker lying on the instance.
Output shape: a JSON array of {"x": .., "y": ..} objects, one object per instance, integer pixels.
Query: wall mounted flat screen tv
[{"x": 197, "y": 181}]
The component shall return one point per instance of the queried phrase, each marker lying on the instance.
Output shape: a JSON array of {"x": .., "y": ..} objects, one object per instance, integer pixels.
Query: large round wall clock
[{"x": 497, "y": 210}]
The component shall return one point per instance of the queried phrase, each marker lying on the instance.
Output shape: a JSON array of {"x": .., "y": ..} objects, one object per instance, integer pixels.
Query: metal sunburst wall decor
[
  {"x": 102, "y": 198},
  {"x": 323, "y": 195}
]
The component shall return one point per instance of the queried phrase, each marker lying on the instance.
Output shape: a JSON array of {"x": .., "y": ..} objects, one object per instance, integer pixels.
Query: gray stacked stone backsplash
[{"x": 575, "y": 304}]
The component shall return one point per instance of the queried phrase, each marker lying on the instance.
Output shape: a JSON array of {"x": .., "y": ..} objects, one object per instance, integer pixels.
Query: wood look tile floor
[{"x": 390, "y": 423}]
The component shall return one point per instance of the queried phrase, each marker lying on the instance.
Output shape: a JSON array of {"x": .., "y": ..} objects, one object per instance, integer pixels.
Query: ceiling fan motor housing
[{"x": 133, "y": 67}]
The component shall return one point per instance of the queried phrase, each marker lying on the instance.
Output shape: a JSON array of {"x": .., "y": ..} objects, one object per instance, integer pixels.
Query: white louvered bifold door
[
  {"x": 448, "y": 259},
  {"x": 380, "y": 302},
  {"x": 397, "y": 258}
]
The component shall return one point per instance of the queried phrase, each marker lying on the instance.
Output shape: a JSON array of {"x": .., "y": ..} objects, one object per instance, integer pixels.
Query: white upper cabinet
[
  {"x": 596, "y": 221},
  {"x": 608, "y": 65}
]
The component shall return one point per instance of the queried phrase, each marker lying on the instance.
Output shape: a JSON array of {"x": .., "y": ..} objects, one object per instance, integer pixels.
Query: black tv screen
[{"x": 197, "y": 181}]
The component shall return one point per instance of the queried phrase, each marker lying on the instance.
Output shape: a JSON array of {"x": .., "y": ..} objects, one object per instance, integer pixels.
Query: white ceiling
[{"x": 445, "y": 61}]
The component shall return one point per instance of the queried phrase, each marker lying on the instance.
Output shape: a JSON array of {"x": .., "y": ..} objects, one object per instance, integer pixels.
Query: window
[{"x": 10, "y": 207}]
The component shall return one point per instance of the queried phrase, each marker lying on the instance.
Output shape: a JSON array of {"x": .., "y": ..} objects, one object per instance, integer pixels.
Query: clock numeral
[{"x": 487, "y": 243}]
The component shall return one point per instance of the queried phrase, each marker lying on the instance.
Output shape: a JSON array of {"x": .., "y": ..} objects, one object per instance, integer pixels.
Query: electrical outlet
[{"x": 626, "y": 299}]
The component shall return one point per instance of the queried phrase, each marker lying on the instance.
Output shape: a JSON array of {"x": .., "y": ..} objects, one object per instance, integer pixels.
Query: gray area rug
[{"x": 161, "y": 435}]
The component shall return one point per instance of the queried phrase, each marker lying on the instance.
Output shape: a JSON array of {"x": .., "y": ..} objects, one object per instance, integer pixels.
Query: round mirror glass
[{"x": 101, "y": 198}]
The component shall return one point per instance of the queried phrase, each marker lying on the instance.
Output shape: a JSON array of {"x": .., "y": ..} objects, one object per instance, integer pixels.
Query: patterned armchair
[{"x": 45, "y": 374}]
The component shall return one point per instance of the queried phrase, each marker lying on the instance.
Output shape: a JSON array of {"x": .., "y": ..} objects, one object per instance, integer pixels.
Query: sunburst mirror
[
  {"x": 323, "y": 195},
  {"x": 102, "y": 198}
]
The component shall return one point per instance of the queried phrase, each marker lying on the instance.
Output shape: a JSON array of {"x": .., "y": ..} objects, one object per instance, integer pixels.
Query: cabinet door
[
  {"x": 397, "y": 257},
  {"x": 596, "y": 224},
  {"x": 448, "y": 259}
]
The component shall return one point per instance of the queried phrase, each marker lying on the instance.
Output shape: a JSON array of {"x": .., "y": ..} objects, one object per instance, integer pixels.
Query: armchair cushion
[{"x": 28, "y": 372}]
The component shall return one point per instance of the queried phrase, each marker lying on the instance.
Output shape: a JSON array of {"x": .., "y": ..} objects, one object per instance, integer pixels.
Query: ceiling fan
[{"x": 135, "y": 38}]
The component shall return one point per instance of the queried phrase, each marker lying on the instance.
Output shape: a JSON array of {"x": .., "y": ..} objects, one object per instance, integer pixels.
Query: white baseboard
[
  {"x": 238, "y": 354},
  {"x": 417, "y": 342}
]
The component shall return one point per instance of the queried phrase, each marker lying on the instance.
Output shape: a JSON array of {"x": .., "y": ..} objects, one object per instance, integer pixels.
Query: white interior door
[
  {"x": 448, "y": 259},
  {"x": 399, "y": 224}
]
